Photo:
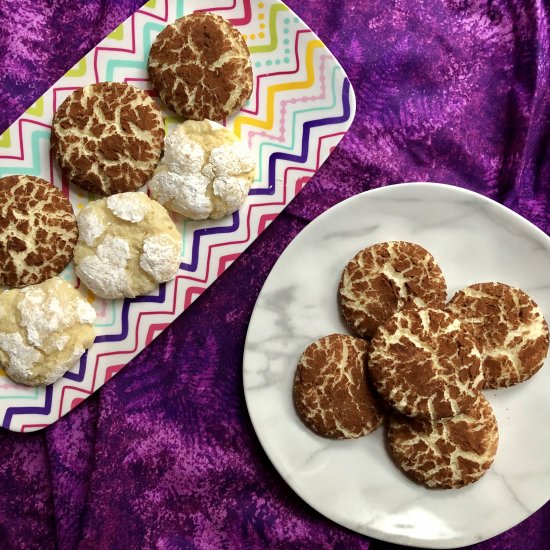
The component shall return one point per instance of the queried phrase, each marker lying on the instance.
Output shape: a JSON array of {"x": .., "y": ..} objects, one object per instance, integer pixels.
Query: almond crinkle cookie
[
  {"x": 128, "y": 244},
  {"x": 206, "y": 172},
  {"x": 44, "y": 330}
]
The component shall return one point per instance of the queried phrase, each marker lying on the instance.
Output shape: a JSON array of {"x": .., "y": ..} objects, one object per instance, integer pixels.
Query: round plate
[{"x": 354, "y": 482}]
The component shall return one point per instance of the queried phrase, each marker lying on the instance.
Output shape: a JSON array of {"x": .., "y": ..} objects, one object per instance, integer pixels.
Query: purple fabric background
[{"x": 164, "y": 456}]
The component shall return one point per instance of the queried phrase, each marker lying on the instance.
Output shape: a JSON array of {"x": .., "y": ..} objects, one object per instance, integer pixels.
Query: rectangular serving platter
[{"x": 301, "y": 107}]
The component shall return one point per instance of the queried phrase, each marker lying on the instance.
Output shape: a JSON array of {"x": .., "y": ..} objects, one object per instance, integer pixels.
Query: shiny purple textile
[{"x": 164, "y": 456}]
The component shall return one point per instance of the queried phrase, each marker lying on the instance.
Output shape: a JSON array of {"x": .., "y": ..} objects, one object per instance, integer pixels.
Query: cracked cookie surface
[
  {"x": 38, "y": 231},
  {"x": 384, "y": 278},
  {"x": 332, "y": 394},
  {"x": 510, "y": 330},
  {"x": 108, "y": 137},
  {"x": 424, "y": 363},
  {"x": 200, "y": 65},
  {"x": 449, "y": 453}
]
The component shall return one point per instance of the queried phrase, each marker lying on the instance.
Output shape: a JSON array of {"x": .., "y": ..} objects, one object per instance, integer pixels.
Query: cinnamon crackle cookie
[
  {"x": 44, "y": 330},
  {"x": 38, "y": 231},
  {"x": 424, "y": 363},
  {"x": 449, "y": 453},
  {"x": 384, "y": 278},
  {"x": 510, "y": 330},
  {"x": 332, "y": 395},
  {"x": 107, "y": 137},
  {"x": 200, "y": 65},
  {"x": 128, "y": 244},
  {"x": 206, "y": 172}
]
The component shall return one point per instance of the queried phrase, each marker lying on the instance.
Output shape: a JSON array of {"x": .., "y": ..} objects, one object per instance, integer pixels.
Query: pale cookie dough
[
  {"x": 510, "y": 330},
  {"x": 206, "y": 172},
  {"x": 128, "y": 244},
  {"x": 44, "y": 330},
  {"x": 445, "y": 454}
]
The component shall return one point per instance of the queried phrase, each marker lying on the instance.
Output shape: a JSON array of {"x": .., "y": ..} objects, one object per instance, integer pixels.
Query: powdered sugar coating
[
  {"x": 160, "y": 257},
  {"x": 44, "y": 330},
  {"x": 139, "y": 248},
  {"x": 206, "y": 171},
  {"x": 104, "y": 273},
  {"x": 89, "y": 226},
  {"x": 127, "y": 206}
]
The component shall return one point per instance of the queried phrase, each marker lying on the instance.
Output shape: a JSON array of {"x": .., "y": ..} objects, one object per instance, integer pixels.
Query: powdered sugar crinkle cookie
[
  {"x": 44, "y": 330},
  {"x": 128, "y": 244}
]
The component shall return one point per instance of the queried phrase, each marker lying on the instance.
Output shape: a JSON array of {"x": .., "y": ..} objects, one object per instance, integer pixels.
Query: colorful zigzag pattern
[{"x": 302, "y": 106}]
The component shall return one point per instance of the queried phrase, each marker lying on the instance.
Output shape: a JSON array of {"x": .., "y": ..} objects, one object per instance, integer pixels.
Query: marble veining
[{"x": 355, "y": 483}]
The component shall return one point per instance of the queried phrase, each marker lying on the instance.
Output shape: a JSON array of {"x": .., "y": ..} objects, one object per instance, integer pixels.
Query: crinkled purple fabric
[{"x": 164, "y": 456}]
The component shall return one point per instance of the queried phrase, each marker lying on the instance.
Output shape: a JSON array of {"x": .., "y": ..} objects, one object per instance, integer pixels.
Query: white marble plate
[{"x": 354, "y": 483}]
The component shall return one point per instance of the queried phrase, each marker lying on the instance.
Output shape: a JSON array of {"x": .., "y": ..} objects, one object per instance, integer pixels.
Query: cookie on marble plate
[
  {"x": 200, "y": 66},
  {"x": 448, "y": 453},
  {"x": 385, "y": 277},
  {"x": 510, "y": 330},
  {"x": 128, "y": 244},
  {"x": 38, "y": 231},
  {"x": 107, "y": 137},
  {"x": 332, "y": 394},
  {"x": 423, "y": 362}
]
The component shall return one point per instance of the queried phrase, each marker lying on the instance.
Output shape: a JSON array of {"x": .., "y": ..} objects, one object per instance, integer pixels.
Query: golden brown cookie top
[
  {"x": 38, "y": 231},
  {"x": 385, "y": 277},
  {"x": 424, "y": 363},
  {"x": 200, "y": 65},
  {"x": 108, "y": 137},
  {"x": 449, "y": 453},
  {"x": 510, "y": 330},
  {"x": 332, "y": 395}
]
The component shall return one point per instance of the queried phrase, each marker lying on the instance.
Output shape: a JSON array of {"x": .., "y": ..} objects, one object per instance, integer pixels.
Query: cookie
[
  {"x": 44, "y": 330},
  {"x": 128, "y": 244},
  {"x": 424, "y": 363},
  {"x": 38, "y": 231},
  {"x": 449, "y": 453},
  {"x": 510, "y": 330},
  {"x": 200, "y": 66},
  {"x": 107, "y": 137},
  {"x": 384, "y": 278},
  {"x": 331, "y": 393},
  {"x": 206, "y": 172}
]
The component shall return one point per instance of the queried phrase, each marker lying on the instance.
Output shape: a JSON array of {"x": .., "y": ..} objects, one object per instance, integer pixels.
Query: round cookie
[
  {"x": 206, "y": 172},
  {"x": 331, "y": 393},
  {"x": 448, "y": 453},
  {"x": 107, "y": 137},
  {"x": 509, "y": 328},
  {"x": 38, "y": 231},
  {"x": 128, "y": 244},
  {"x": 44, "y": 330},
  {"x": 200, "y": 65},
  {"x": 384, "y": 278},
  {"x": 424, "y": 363}
]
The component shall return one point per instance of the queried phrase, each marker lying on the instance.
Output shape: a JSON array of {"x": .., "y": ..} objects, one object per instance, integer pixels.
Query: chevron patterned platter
[{"x": 301, "y": 107}]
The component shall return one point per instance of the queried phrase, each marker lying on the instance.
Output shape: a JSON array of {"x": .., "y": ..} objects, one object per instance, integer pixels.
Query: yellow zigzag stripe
[{"x": 272, "y": 90}]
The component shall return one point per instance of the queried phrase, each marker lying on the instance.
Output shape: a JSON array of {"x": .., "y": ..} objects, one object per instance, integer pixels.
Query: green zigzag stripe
[
  {"x": 37, "y": 135},
  {"x": 113, "y": 64},
  {"x": 295, "y": 114},
  {"x": 275, "y": 9}
]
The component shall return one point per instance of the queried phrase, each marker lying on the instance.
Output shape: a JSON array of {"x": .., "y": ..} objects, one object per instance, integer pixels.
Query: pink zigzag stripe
[
  {"x": 21, "y": 147},
  {"x": 284, "y": 104},
  {"x": 281, "y": 73},
  {"x": 163, "y": 19},
  {"x": 243, "y": 21}
]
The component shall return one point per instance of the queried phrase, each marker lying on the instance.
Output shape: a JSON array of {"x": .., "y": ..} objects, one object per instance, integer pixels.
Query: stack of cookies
[
  {"x": 420, "y": 362},
  {"x": 108, "y": 139}
]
